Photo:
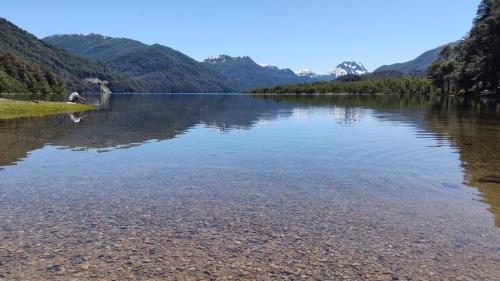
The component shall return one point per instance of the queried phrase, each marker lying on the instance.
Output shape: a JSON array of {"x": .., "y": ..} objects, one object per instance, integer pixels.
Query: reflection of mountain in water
[
  {"x": 133, "y": 119},
  {"x": 348, "y": 115},
  {"x": 471, "y": 126}
]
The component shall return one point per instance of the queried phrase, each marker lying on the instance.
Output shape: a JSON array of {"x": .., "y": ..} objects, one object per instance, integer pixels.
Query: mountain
[
  {"x": 76, "y": 73},
  {"x": 348, "y": 68},
  {"x": 247, "y": 74},
  {"x": 155, "y": 67},
  {"x": 418, "y": 65},
  {"x": 308, "y": 73}
]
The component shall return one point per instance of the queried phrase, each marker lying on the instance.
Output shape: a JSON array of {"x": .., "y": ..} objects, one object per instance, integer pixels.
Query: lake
[{"x": 193, "y": 186}]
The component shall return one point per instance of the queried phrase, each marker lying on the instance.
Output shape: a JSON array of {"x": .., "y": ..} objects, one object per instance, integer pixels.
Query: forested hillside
[
  {"x": 20, "y": 76},
  {"x": 73, "y": 70},
  {"x": 155, "y": 68}
]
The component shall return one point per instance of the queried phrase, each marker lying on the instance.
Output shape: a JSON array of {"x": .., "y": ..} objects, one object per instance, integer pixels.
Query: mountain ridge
[
  {"x": 248, "y": 74},
  {"x": 73, "y": 70},
  {"x": 87, "y": 62},
  {"x": 345, "y": 68},
  {"x": 155, "y": 67},
  {"x": 419, "y": 64},
  {"x": 350, "y": 68}
]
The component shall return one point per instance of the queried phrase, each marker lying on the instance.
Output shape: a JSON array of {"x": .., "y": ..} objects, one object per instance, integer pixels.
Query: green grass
[{"x": 10, "y": 109}]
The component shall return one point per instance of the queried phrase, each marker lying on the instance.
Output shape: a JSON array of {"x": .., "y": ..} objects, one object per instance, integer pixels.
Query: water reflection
[
  {"x": 121, "y": 120},
  {"x": 348, "y": 115},
  {"x": 471, "y": 127}
]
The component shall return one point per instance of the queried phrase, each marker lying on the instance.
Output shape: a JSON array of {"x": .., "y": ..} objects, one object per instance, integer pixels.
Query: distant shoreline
[{"x": 488, "y": 95}]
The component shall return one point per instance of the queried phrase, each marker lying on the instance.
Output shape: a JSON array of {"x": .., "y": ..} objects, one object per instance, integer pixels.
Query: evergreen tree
[
  {"x": 442, "y": 71},
  {"x": 479, "y": 53}
]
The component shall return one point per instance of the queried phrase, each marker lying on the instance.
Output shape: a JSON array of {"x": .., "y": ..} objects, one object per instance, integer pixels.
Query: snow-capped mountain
[
  {"x": 248, "y": 74},
  {"x": 337, "y": 72},
  {"x": 306, "y": 73},
  {"x": 343, "y": 69},
  {"x": 348, "y": 68},
  {"x": 268, "y": 66},
  {"x": 226, "y": 58},
  {"x": 274, "y": 68}
]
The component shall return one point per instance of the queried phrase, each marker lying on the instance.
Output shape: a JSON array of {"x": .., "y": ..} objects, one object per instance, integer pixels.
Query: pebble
[{"x": 230, "y": 234}]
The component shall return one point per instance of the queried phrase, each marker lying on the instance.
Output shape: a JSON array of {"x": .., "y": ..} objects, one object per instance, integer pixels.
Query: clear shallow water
[{"x": 200, "y": 186}]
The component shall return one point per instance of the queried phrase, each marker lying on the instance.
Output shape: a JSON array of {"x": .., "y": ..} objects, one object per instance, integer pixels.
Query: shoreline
[
  {"x": 12, "y": 109},
  {"x": 482, "y": 95}
]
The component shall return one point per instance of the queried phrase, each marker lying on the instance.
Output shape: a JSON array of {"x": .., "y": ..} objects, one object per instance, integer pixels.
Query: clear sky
[{"x": 317, "y": 34}]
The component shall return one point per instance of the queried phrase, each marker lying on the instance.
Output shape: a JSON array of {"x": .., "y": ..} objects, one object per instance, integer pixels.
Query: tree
[
  {"x": 479, "y": 53},
  {"x": 442, "y": 71},
  {"x": 446, "y": 53}
]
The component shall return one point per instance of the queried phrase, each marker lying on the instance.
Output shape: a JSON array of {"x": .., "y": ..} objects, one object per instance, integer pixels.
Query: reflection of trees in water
[
  {"x": 472, "y": 126},
  {"x": 19, "y": 136},
  {"x": 122, "y": 120}
]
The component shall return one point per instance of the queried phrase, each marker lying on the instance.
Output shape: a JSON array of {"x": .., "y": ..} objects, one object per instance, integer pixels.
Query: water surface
[{"x": 265, "y": 187}]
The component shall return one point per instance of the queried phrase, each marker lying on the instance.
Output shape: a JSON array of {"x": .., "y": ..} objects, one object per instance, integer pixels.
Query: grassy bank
[{"x": 10, "y": 109}]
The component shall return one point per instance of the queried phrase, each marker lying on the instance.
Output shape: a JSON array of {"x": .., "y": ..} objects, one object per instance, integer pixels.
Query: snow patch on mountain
[
  {"x": 306, "y": 72},
  {"x": 343, "y": 69},
  {"x": 337, "y": 72},
  {"x": 224, "y": 58},
  {"x": 271, "y": 67},
  {"x": 351, "y": 68}
]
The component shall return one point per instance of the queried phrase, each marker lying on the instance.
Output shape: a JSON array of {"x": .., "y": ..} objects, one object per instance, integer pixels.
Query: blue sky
[{"x": 317, "y": 34}]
